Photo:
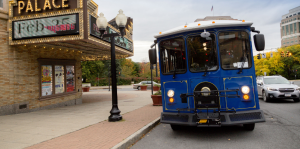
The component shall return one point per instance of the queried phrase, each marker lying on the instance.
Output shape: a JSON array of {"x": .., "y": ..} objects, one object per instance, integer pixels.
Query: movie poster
[
  {"x": 46, "y": 80},
  {"x": 70, "y": 78},
  {"x": 59, "y": 79}
]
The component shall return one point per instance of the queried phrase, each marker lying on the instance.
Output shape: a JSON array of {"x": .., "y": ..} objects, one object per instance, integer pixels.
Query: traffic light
[
  {"x": 282, "y": 54},
  {"x": 288, "y": 54},
  {"x": 258, "y": 56}
]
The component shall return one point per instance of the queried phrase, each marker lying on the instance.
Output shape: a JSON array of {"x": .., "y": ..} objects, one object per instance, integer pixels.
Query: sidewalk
[
  {"x": 107, "y": 87},
  {"x": 81, "y": 126}
]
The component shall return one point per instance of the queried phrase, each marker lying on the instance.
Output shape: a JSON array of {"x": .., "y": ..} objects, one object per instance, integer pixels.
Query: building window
[
  {"x": 283, "y": 31},
  {"x": 70, "y": 78},
  {"x": 287, "y": 30},
  {"x": 1, "y": 3},
  {"x": 57, "y": 77},
  {"x": 295, "y": 28},
  {"x": 46, "y": 80},
  {"x": 299, "y": 27},
  {"x": 291, "y": 29}
]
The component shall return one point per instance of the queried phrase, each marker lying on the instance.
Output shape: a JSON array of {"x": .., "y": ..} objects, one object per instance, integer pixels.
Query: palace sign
[
  {"x": 27, "y": 7},
  {"x": 46, "y": 27}
]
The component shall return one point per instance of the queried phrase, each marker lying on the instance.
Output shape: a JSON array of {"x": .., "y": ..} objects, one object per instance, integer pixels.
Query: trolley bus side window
[
  {"x": 202, "y": 53},
  {"x": 234, "y": 50},
  {"x": 172, "y": 54}
]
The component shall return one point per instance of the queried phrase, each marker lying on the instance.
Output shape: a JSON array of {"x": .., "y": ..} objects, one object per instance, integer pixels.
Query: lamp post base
[{"x": 115, "y": 114}]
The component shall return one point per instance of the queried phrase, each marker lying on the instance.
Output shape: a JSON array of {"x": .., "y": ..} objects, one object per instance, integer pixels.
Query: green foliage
[
  {"x": 284, "y": 66},
  {"x": 158, "y": 92},
  {"x": 99, "y": 72},
  {"x": 157, "y": 85}
]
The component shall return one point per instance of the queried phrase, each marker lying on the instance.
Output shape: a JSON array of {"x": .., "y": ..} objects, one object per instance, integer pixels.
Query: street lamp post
[{"x": 121, "y": 21}]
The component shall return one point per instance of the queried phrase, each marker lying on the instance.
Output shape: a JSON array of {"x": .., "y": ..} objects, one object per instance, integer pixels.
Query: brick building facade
[{"x": 41, "y": 72}]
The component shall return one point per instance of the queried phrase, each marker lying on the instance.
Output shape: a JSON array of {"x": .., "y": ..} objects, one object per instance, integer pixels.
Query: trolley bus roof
[{"x": 204, "y": 25}]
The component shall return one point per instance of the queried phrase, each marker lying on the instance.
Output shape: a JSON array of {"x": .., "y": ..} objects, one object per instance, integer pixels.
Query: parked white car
[{"x": 148, "y": 83}]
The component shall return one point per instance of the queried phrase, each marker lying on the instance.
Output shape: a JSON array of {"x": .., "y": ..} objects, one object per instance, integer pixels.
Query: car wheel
[
  {"x": 296, "y": 99},
  {"x": 138, "y": 88},
  {"x": 175, "y": 127},
  {"x": 265, "y": 97},
  {"x": 249, "y": 127}
]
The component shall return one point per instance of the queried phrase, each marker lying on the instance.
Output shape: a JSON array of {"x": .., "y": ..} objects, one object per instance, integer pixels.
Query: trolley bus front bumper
[{"x": 191, "y": 119}]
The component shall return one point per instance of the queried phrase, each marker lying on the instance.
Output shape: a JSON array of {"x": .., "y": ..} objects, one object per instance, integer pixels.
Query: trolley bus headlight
[
  {"x": 170, "y": 93},
  {"x": 245, "y": 89}
]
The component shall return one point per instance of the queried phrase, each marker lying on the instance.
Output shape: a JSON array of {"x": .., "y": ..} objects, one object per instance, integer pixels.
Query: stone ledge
[{"x": 14, "y": 109}]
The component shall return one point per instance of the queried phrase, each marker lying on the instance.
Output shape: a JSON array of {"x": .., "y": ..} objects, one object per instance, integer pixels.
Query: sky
[{"x": 153, "y": 16}]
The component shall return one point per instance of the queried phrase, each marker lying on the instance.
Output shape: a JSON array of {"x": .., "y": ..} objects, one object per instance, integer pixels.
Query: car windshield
[{"x": 277, "y": 80}]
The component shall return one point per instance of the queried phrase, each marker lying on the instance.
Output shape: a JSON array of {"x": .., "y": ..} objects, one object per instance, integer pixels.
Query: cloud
[{"x": 153, "y": 16}]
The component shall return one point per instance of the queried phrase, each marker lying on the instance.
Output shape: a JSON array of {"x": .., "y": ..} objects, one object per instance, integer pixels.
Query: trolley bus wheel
[
  {"x": 249, "y": 127},
  {"x": 175, "y": 127}
]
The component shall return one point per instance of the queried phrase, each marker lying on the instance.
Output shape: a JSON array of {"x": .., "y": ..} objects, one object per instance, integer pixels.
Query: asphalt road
[{"x": 280, "y": 131}]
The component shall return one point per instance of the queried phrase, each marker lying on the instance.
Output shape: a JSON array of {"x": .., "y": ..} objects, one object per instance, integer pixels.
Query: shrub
[
  {"x": 158, "y": 92},
  {"x": 157, "y": 85}
]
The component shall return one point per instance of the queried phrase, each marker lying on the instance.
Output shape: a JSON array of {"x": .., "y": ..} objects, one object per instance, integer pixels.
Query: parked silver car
[
  {"x": 148, "y": 83},
  {"x": 272, "y": 87}
]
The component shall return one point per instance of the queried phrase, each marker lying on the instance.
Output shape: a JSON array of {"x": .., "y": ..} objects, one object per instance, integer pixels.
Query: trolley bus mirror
[
  {"x": 259, "y": 42},
  {"x": 152, "y": 56}
]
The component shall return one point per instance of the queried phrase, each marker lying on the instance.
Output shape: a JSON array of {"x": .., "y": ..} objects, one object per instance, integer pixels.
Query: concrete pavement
[{"x": 79, "y": 122}]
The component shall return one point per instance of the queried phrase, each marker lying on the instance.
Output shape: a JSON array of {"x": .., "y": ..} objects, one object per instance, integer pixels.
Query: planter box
[
  {"x": 156, "y": 88},
  {"x": 85, "y": 89},
  {"x": 86, "y": 84},
  {"x": 157, "y": 100},
  {"x": 143, "y": 88}
]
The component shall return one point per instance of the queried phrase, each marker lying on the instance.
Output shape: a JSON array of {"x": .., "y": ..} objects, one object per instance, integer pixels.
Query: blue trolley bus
[{"x": 207, "y": 74}]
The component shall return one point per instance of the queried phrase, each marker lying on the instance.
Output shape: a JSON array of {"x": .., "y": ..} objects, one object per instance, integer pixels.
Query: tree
[
  {"x": 91, "y": 69},
  {"x": 284, "y": 66},
  {"x": 127, "y": 68},
  {"x": 136, "y": 69}
]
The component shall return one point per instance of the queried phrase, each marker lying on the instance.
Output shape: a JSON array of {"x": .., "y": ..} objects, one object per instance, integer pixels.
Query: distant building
[
  {"x": 215, "y": 18},
  {"x": 290, "y": 27}
]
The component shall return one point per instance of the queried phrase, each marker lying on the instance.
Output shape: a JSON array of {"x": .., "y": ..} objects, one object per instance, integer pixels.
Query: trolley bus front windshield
[
  {"x": 202, "y": 53},
  {"x": 173, "y": 56},
  {"x": 234, "y": 50}
]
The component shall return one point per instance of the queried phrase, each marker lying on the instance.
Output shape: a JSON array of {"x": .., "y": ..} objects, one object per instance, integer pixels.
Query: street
[{"x": 281, "y": 130}]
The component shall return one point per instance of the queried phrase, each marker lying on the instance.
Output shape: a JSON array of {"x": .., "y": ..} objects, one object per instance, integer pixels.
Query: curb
[{"x": 136, "y": 136}]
